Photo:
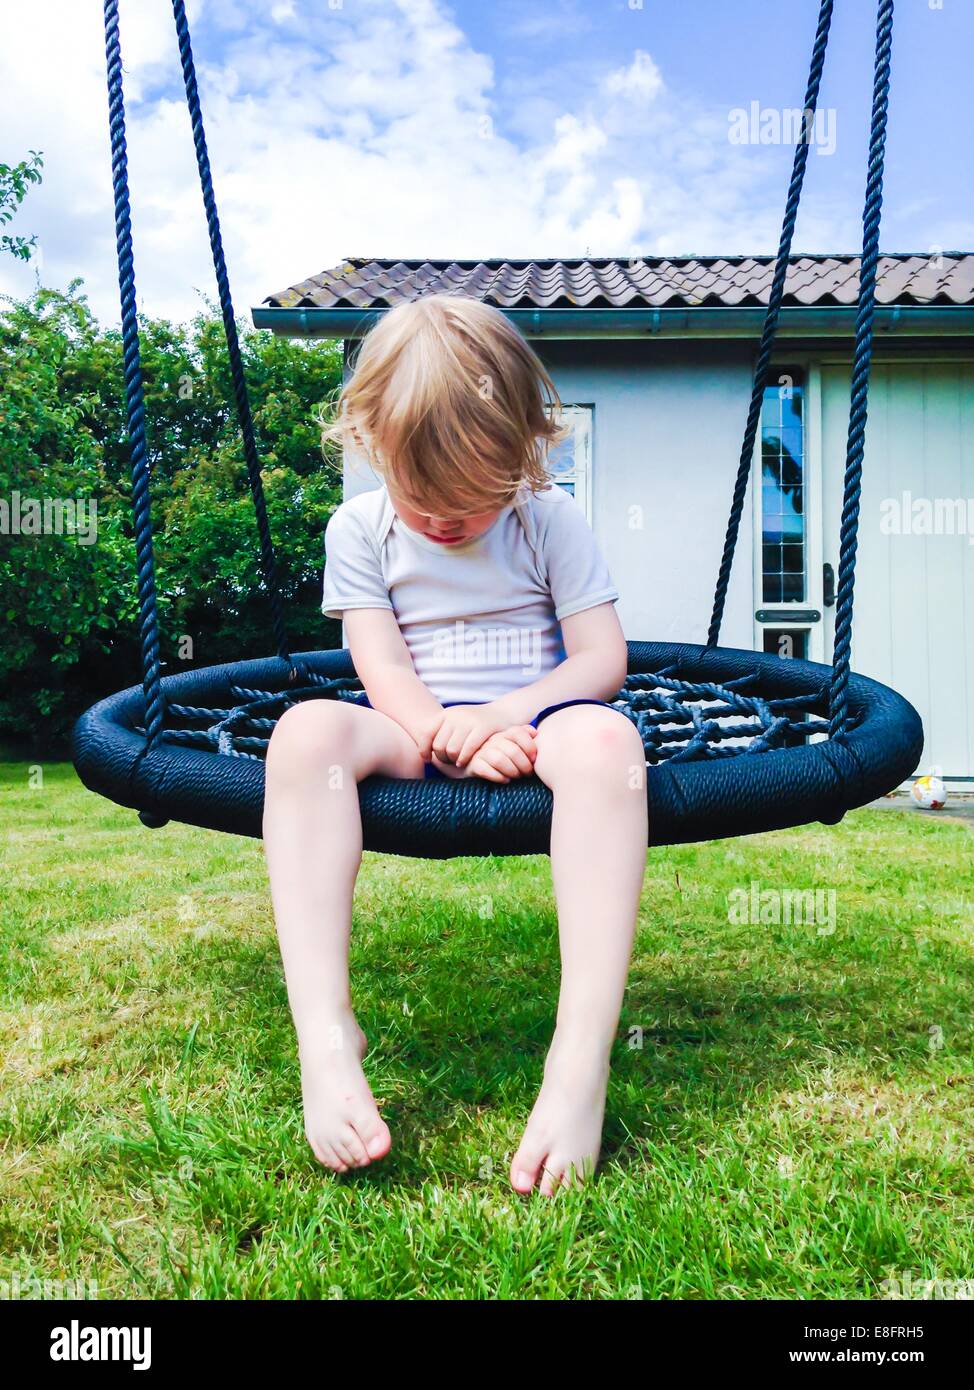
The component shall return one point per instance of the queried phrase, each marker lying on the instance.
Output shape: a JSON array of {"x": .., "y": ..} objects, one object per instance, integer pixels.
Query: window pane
[
  {"x": 770, "y": 500},
  {"x": 771, "y": 408},
  {"x": 772, "y": 557},
  {"x": 783, "y": 489},
  {"x": 561, "y": 458},
  {"x": 786, "y": 642},
  {"x": 792, "y": 443},
  {"x": 793, "y": 557},
  {"x": 569, "y": 461},
  {"x": 772, "y": 589},
  {"x": 791, "y": 529},
  {"x": 562, "y": 463}
]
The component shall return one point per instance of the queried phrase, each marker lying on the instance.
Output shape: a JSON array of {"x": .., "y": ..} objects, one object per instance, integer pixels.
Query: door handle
[{"x": 828, "y": 586}]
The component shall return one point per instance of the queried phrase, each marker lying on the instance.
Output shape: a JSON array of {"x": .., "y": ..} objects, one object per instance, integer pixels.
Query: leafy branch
[{"x": 15, "y": 183}]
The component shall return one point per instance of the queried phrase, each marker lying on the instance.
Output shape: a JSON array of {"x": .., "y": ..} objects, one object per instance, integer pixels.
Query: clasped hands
[{"x": 479, "y": 741}]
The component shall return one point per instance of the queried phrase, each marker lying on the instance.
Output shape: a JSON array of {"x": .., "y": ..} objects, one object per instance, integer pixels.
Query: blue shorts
[{"x": 430, "y": 772}]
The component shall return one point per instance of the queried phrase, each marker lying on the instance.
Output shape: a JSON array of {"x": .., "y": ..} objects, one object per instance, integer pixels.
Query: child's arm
[
  {"x": 385, "y": 668},
  {"x": 595, "y": 665},
  {"x": 594, "y": 668}
]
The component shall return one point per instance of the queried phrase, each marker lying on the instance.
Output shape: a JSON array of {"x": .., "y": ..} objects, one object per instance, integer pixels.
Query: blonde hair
[{"x": 450, "y": 405}]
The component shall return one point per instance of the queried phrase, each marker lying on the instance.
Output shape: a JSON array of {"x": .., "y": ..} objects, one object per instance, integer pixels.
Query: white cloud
[
  {"x": 574, "y": 145},
  {"x": 357, "y": 130},
  {"x": 641, "y": 80}
]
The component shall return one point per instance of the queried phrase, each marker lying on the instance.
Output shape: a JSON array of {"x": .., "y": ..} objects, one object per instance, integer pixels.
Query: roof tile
[{"x": 649, "y": 282}]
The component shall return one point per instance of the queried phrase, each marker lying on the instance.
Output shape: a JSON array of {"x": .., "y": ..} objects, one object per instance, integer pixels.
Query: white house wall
[{"x": 668, "y": 421}]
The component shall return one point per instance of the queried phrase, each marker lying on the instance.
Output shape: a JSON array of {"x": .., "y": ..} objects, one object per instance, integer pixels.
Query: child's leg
[
  {"x": 593, "y": 760},
  {"x": 319, "y": 752}
]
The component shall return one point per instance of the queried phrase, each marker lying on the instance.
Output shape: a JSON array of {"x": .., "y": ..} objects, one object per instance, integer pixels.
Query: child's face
[{"x": 446, "y": 530}]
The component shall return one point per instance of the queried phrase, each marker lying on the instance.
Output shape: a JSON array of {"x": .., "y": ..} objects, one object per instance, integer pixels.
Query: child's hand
[
  {"x": 424, "y": 732},
  {"x": 465, "y": 729},
  {"x": 506, "y": 755}
]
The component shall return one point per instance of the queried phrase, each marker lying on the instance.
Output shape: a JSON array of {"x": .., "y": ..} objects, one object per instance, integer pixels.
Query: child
[{"x": 479, "y": 615}]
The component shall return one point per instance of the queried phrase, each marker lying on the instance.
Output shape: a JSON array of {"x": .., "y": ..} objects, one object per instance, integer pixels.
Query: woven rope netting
[{"x": 678, "y": 721}]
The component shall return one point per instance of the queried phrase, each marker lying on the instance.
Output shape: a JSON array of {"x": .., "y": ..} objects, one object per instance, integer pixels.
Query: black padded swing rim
[{"x": 443, "y": 819}]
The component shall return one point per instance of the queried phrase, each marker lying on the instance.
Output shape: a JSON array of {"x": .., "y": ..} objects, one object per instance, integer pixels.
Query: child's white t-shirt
[{"x": 482, "y": 618}]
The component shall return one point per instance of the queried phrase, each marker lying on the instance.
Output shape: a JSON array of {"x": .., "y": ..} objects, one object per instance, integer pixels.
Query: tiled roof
[{"x": 361, "y": 282}]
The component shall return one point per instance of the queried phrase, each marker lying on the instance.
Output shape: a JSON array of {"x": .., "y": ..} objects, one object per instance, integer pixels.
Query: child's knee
[
  {"x": 309, "y": 733},
  {"x": 597, "y": 746}
]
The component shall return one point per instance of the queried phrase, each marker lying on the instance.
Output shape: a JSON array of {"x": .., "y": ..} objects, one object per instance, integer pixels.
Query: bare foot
[
  {"x": 341, "y": 1120},
  {"x": 561, "y": 1144}
]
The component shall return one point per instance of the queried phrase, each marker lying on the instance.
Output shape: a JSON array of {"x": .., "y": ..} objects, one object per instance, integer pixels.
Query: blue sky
[{"x": 419, "y": 128}]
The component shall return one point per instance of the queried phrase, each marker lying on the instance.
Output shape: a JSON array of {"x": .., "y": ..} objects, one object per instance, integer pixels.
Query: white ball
[{"x": 930, "y": 793}]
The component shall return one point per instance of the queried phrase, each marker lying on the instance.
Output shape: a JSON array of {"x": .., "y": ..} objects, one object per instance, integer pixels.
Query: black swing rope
[
  {"x": 677, "y": 720},
  {"x": 770, "y": 330},
  {"x": 862, "y": 361},
  {"x": 155, "y": 700}
]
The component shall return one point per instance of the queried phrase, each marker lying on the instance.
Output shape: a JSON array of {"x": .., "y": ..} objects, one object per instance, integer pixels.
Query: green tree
[
  {"x": 69, "y": 610},
  {"x": 15, "y": 182}
]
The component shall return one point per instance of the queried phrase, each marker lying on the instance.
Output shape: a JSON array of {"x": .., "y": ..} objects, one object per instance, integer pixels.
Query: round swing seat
[
  {"x": 726, "y": 734},
  {"x": 735, "y": 740}
]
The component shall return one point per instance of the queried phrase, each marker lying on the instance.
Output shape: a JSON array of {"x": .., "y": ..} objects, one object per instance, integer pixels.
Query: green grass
[{"x": 797, "y": 1123}]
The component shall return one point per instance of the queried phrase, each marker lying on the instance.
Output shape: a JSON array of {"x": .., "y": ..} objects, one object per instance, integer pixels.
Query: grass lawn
[{"x": 796, "y": 1123}]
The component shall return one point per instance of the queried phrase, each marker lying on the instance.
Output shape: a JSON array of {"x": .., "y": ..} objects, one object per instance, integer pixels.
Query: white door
[{"x": 913, "y": 625}]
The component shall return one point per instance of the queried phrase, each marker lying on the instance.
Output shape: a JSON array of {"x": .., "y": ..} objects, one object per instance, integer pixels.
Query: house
[{"x": 653, "y": 361}]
